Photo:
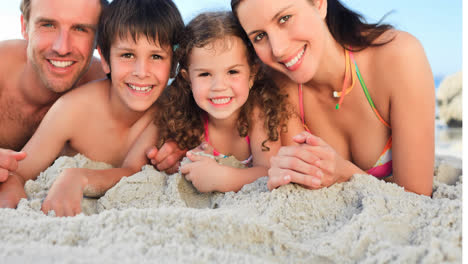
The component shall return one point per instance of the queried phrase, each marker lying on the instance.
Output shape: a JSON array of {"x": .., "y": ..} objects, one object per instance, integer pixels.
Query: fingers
[
  {"x": 151, "y": 153},
  {"x": 9, "y": 159},
  {"x": 278, "y": 177},
  {"x": 301, "y": 137},
  {"x": 315, "y": 141},
  {"x": 4, "y": 175},
  {"x": 60, "y": 209},
  {"x": 297, "y": 164},
  {"x": 185, "y": 169}
]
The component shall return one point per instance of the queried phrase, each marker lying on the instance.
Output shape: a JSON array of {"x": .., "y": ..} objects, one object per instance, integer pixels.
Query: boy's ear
[
  {"x": 24, "y": 30},
  {"x": 105, "y": 65}
]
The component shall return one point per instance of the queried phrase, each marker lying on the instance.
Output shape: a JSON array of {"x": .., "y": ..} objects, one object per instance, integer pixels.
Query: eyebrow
[
  {"x": 132, "y": 49},
  {"x": 275, "y": 17},
  {"x": 48, "y": 20},
  {"x": 230, "y": 67}
]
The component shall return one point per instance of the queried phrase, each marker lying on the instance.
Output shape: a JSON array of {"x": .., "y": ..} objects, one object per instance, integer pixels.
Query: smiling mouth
[
  {"x": 220, "y": 101},
  {"x": 140, "y": 89},
  {"x": 61, "y": 64},
  {"x": 291, "y": 63}
]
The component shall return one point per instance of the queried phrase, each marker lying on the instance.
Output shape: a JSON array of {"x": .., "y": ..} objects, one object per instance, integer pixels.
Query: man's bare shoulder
[{"x": 13, "y": 55}]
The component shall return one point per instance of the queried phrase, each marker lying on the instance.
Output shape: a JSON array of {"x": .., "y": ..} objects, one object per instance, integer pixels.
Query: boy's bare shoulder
[
  {"x": 87, "y": 95},
  {"x": 94, "y": 72}
]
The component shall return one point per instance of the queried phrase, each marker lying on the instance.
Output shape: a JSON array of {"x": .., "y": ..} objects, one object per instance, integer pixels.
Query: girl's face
[
  {"x": 220, "y": 76},
  {"x": 288, "y": 35},
  {"x": 140, "y": 71}
]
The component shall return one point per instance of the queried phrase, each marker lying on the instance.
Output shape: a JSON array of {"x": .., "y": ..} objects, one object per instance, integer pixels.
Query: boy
[{"x": 110, "y": 120}]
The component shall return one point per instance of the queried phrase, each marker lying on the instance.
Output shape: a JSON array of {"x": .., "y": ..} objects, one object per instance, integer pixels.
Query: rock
[{"x": 449, "y": 100}]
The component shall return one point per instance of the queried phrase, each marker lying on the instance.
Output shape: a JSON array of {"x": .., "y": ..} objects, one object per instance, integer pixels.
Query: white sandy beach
[{"x": 154, "y": 218}]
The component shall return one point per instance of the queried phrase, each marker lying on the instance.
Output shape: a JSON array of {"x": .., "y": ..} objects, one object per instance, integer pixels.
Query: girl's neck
[{"x": 227, "y": 124}]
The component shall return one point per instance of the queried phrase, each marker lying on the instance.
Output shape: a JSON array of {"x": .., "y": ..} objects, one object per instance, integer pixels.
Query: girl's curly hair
[{"x": 180, "y": 118}]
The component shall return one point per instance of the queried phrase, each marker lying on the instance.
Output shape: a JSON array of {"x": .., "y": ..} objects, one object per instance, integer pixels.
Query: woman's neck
[{"x": 331, "y": 69}]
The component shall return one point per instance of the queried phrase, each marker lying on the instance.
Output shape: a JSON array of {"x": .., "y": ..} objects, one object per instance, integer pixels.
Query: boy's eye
[
  {"x": 284, "y": 19},
  {"x": 156, "y": 57},
  {"x": 259, "y": 37},
  {"x": 127, "y": 55}
]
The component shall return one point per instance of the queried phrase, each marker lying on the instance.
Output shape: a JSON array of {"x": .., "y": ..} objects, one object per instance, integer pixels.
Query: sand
[{"x": 151, "y": 217}]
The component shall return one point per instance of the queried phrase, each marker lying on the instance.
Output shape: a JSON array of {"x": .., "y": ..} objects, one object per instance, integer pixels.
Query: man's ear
[
  {"x": 105, "y": 65},
  {"x": 24, "y": 28},
  {"x": 322, "y": 5}
]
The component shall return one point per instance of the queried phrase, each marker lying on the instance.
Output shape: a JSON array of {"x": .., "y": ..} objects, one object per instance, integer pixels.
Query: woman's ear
[
  {"x": 104, "y": 64},
  {"x": 321, "y": 6}
]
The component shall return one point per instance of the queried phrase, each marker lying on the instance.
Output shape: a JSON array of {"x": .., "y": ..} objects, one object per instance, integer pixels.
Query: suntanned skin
[{"x": 24, "y": 101}]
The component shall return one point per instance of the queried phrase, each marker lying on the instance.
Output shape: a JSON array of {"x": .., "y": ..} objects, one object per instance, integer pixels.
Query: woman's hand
[
  {"x": 313, "y": 164},
  {"x": 66, "y": 193}
]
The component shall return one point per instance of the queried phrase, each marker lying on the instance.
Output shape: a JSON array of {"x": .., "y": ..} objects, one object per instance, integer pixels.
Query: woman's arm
[{"x": 412, "y": 115}]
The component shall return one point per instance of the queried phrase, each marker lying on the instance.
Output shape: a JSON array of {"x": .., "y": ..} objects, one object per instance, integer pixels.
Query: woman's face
[{"x": 288, "y": 35}]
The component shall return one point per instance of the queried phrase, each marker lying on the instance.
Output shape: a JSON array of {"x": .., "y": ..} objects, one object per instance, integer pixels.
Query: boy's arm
[{"x": 67, "y": 191}]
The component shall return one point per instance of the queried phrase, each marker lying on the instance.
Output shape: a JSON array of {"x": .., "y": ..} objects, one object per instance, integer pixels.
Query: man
[{"x": 54, "y": 57}]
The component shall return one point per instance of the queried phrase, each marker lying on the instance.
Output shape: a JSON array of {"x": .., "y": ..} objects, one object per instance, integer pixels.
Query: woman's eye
[
  {"x": 284, "y": 19},
  {"x": 259, "y": 37}
]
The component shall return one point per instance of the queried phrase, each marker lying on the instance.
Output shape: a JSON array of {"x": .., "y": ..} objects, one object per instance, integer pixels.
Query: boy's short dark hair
[{"x": 158, "y": 20}]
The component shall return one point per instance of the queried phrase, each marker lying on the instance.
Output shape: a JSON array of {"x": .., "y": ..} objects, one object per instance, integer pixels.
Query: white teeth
[
  {"x": 61, "y": 64},
  {"x": 143, "y": 89},
  {"x": 295, "y": 59},
  {"x": 221, "y": 100}
]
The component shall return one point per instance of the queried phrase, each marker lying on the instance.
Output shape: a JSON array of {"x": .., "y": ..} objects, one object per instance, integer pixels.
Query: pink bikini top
[{"x": 247, "y": 162}]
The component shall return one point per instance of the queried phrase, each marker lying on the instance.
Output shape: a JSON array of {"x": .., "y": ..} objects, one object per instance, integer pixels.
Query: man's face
[{"x": 61, "y": 39}]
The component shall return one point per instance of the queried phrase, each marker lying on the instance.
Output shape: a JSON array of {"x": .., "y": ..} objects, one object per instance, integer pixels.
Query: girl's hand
[
  {"x": 313, "y": 164},
  {"x": 66, "y": 193},
  {"x": 204, "y": 172}
]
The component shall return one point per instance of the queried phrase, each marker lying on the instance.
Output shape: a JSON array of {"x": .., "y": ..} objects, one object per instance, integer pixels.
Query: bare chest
[{"x": 18, "y": 122}]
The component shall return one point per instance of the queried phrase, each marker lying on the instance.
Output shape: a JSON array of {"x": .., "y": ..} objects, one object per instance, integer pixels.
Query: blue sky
[{"x": 436, "y": 23}]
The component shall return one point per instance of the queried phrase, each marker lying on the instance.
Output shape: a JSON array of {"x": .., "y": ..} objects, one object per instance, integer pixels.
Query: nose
[
  {"x": 219, "y": 83},
  {"x": 61, "y": 43},
  {"x": 141, "y": 68},
  {"x": 279, "y": 45}
]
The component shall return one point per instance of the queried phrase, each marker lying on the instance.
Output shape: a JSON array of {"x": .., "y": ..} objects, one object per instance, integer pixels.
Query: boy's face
[
  {"x": 220, "y": 77},
  {"x": 61, "y": 39},
  {"x": 140, "y": 71}
]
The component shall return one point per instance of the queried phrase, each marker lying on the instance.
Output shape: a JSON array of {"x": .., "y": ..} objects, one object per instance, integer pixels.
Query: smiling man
[{"x": 55, "y": 56}]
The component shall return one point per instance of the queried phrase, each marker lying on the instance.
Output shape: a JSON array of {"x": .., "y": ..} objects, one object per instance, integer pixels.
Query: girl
[
  {"x": 219, "y": 96},
  {"x": 365, "y": 91}
]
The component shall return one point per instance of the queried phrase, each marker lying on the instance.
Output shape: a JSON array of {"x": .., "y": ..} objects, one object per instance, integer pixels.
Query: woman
[{"x": 366, "y": 92}]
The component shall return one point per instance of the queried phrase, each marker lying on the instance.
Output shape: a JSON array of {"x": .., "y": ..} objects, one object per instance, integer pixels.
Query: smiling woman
[{"x": 320, "y": 48}]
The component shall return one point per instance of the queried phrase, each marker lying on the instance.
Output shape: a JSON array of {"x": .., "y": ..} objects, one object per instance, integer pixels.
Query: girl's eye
[
  {"x": 127, "y": 55},
  {"x": 157, "y": 57},
  {"x": 233, "y": 72},
  {"x": 283, "y": 19},
  {"x": 204, "y": 74},
  {"x": 259, "y": 37}
]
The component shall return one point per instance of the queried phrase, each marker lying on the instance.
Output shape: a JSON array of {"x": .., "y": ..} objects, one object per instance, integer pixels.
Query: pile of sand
[{"x": 154, "y": 218}]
